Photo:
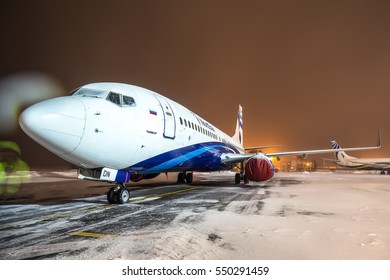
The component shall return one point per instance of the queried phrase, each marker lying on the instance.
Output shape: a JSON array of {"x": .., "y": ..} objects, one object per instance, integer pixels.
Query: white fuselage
[
  {"x": 126, "y": 127},
  {"x": 365, "y": 163}
]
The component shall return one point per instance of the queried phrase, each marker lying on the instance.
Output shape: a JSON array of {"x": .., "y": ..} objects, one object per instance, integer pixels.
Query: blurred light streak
[
  {"x": 13, "y": 170},
  {"x": 21, "y": 90}
]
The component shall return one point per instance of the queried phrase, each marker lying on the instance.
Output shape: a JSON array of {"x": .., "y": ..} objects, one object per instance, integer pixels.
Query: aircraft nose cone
[{"x": 57, "y": 124}]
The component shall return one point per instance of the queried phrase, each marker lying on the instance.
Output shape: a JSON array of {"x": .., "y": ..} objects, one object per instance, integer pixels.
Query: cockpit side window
[
  {"x": 114, "y": 98},
  {"x": 129, "y": 101}
]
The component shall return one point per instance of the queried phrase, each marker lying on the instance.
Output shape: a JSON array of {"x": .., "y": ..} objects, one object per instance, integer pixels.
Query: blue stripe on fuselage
[{"x": 198, "y": 157}]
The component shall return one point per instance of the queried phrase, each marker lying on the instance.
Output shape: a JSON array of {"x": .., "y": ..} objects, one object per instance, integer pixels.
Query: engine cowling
[{"x": 259, "y": 168}]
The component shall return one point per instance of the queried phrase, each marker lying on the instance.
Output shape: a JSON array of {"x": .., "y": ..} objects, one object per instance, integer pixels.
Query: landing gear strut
[{"x": 118, "y": 194}]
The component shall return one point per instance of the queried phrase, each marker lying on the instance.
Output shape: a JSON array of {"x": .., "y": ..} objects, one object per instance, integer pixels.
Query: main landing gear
[
  {"x": 184, "y": 177},
  {"x": 240, "y": 177},
  {"x": 118, "y": 194}
]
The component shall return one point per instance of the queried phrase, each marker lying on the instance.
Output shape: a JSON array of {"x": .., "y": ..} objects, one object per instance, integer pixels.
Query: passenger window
[
  {"x": 181, "y": 121},
  {"x": 114, "y": 98},
  {"x": 129, "y": 101}
]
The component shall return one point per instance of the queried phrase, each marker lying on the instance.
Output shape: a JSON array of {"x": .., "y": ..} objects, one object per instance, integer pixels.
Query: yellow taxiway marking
[
  {"x": 53, "y": 217},
  {"x": 59, "y": 216},
  {"x": 8, "y": 227},
  {"x": 162, "y": 194},
  {"x": 100, "y": 235},
  {"x": 92, "y": 234}
]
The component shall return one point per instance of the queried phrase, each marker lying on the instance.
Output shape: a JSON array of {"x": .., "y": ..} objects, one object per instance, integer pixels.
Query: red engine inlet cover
[{"x": 259, "y": 169}]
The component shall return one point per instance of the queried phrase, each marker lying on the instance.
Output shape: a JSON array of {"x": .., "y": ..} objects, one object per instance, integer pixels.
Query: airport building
[{"x": 295, "y": 164}]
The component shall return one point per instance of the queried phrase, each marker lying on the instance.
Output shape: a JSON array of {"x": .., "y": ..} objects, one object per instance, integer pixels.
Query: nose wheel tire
[
  {"x": 118, "y": 195},
  {"x": 123, "y": 196},
  {"x": 111, "y": 196}
]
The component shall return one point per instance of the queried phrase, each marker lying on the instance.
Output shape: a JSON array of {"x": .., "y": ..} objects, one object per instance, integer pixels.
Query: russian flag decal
[{"x": 153, "y": 112}]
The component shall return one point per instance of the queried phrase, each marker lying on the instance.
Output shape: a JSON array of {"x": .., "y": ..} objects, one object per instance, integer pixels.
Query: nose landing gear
[{"x": 118, "y": 194}]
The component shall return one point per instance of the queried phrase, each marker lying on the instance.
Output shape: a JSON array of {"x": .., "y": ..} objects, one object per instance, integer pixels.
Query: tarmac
[{"x": 319, "y": 215}]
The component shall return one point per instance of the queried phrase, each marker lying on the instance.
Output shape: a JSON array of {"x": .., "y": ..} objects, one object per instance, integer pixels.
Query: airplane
[
  {"x": 117, "y": 133},
  {"x": 345, "y": 160}
]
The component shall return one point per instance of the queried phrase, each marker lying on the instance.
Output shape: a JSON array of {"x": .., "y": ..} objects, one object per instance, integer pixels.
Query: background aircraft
[
  {"x": 344, "y": 160},
  {"x": 117, "y": 132}
]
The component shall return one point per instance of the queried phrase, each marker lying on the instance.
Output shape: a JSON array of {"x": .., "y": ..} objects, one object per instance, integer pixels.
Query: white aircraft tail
[
  {"x": 238, "y": 134},
  {"x": 341, "y": 155}
]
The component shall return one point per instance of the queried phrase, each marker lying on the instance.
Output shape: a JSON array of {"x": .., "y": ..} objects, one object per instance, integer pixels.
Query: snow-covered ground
[{"x": 295, "y": 216}]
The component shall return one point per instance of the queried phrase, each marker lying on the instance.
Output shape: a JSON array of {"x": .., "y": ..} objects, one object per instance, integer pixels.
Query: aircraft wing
[
  {"x": 261, "y": 147},
  {"x": 230, "y": 158},
  {"x": 324, "y": 151}
]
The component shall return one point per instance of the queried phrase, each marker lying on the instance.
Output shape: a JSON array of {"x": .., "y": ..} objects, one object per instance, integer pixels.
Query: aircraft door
[{"x": 169, "y": 118}]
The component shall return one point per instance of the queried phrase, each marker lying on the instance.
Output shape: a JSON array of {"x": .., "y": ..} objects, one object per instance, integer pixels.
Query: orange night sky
[{"x": 305, "y": 72}]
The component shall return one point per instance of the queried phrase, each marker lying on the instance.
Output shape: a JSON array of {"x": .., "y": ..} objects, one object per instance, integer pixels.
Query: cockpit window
[
  {"x": 120, "y": 100},
  {"x": 114, "y": 98},
  {"x": 74, "y": 91},
  {"x": 85, "y": 92},
  {"x": 127, "y": 100}
]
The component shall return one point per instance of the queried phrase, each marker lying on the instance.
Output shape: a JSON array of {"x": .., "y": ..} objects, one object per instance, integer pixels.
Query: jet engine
[{"x": 259, "y": 168}]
